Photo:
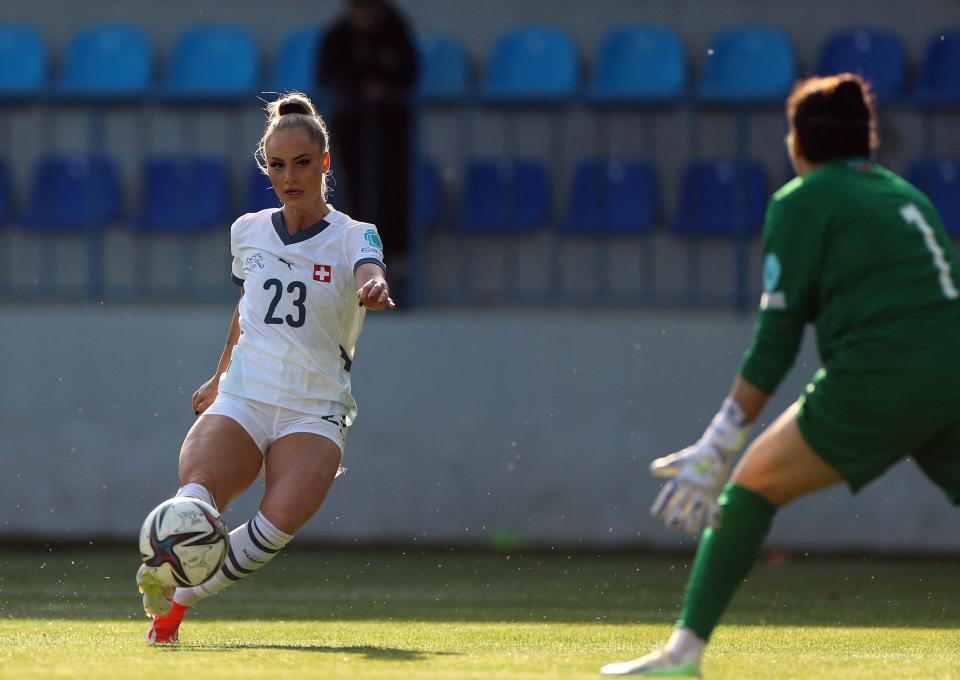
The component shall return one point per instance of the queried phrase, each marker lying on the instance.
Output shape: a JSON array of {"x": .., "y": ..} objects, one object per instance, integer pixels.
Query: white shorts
[{"x": 266, "y": 423}]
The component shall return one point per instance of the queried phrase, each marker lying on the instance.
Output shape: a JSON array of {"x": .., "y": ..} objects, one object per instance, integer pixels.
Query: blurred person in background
[
  {"x": 280, "y": 399},
  {"x": 861, "y": 254},
  {"x": 369, "y": 62}
]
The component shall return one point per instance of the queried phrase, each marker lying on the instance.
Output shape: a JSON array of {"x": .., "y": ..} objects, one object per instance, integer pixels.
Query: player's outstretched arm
[
  {"x": 372, "y": 289},
  {"x": 696, "y": 475},
  {"x": 207, "y": 392}
]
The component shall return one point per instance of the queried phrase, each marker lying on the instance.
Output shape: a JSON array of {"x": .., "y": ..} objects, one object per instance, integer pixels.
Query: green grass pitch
[{"x": 72, "y": 613}]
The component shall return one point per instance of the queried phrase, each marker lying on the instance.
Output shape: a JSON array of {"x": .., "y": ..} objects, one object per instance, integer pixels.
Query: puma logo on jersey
[
  {"x": 286, "y": 262},
  {"x": 322, "y": 273}
]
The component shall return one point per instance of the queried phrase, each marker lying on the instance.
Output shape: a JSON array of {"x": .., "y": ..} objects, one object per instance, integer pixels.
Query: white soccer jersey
[{"x": 299, "y": 316}]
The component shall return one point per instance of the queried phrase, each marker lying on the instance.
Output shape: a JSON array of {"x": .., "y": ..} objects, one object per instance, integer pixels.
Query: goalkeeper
[{"x": 861, "y": 254}]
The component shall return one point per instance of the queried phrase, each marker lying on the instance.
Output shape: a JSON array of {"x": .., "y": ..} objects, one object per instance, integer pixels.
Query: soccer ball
[{"x": 186, "y": 540}]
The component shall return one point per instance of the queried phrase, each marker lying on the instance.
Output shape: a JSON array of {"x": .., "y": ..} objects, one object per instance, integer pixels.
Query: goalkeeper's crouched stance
[
  {"x": 861, "y": 254},
  {"x": 778, "y": 467}
]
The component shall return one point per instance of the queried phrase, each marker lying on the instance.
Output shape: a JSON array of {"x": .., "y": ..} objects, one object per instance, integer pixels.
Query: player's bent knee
[
  {"x": 776, "y": 484},
  {"x": 758, "y": 473},
  {"x": 289, "y": 507},
  {"x": 208, "y": 481},
  {"x": 287, "y": 520},
  {"x": 762, "y": 487}
]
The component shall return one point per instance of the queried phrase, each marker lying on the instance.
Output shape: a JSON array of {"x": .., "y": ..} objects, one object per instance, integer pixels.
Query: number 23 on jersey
[{"x": 299, "y": 291}]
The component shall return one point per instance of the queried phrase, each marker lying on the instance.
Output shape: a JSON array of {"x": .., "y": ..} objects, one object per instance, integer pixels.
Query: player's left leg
[
  {"x": 778, "y": 468},
  {"x": 299, "y": 470},
  {"x": 219, "y": 459}
]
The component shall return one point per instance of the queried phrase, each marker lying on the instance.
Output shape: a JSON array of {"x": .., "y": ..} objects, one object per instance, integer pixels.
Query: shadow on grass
[
  {"x": 367, "y": 652},
  {"x": 457, "y": 586}
]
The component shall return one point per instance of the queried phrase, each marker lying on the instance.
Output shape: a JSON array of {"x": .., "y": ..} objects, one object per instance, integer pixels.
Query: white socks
[
  {"x": 683, "y": 645},
  {"x": 198, "y": 491},
  {"x": 252, "y": 545}
]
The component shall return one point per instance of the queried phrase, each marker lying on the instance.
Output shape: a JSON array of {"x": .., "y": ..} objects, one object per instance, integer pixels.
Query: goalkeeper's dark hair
[
  {"x": 293, "y": 111},
  {"x": 833, "y": 117}
]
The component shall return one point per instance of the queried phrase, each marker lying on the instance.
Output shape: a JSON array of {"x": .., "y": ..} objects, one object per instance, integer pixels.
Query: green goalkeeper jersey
[{"x": 862, "y": 254}]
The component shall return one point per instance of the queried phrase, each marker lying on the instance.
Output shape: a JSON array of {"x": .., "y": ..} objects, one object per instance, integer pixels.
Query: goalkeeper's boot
[
  {"x": 660, "y": 663},
  {"x": 164, "y": 630},
  {"x": 157, "y": 594}
]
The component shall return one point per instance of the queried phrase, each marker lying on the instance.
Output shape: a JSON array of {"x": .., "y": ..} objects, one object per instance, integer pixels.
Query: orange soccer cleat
[{"x": 164, "y": 629}]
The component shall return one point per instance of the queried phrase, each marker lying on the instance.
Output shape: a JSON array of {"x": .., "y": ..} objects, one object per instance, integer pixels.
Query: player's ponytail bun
[
  {"x": 833, "y": 117},
  {"x": 293, "y": 111},
  {"x": 849, "y": 97},
  {"x": 291, "y": 103}
]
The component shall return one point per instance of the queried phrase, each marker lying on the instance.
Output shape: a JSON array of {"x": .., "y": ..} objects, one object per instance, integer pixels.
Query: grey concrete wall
[{"x": 472, "y": 425}]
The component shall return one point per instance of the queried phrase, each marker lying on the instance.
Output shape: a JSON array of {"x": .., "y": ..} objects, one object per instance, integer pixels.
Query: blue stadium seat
[
  {"x": 875, "y": 54},
  {"x": 709, "y": 198},
  {"x": 107, "y": 61},
  {"x": 504, "y": 197},
  {"x": 939, "y": 179},
  {"x": 72, "y": 193},
  {"x": 213, "y": 62},
  {"x": 428, "y": 197},
  {"x": 294, "y": 68},
  {"x": 748, "y": 64},
  {"x": 6, "y": 193},
  {"x": 184, "y": 195},
  {"x": 259, "y": 194},
  {"x": 613, "y": 197},
  {"x": 23, "y": 61},
  {"x": 444, "y": 74},
  {"x": 641, "y": 63},
  {"x": 939, "y": 79},
  {"x": 532, "y": 64}
]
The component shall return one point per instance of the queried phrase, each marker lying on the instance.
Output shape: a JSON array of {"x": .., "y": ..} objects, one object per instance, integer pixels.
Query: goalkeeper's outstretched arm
[{"x": 696, "y": 474}]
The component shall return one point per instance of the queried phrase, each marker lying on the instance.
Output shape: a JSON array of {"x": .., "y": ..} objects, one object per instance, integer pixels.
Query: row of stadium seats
[
  {"x": 623, "y": 196},
  {"x": 605, "y": 197},
  {"x": 641, "y": 63}
]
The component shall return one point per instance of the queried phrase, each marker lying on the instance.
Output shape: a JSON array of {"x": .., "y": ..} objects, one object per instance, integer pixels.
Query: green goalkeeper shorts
[{"x": 863, "y": 423}]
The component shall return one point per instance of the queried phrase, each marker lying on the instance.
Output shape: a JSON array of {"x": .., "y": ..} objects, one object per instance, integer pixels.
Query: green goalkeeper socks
[{"x": 725, "y": 557}]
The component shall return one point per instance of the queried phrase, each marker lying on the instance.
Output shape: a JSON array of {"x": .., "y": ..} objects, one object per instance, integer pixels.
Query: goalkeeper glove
[{"x": 697, "y": 473}]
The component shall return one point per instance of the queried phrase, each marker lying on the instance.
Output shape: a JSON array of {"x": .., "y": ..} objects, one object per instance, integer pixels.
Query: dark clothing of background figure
[{"x": 371, "y": 74}]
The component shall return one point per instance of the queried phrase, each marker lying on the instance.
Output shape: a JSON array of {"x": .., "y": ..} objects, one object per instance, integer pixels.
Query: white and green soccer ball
[{"x": 185, "y": 540}]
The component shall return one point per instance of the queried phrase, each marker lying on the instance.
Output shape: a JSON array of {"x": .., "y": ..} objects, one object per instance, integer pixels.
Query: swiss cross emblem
[{"x": 322, "y": 273}]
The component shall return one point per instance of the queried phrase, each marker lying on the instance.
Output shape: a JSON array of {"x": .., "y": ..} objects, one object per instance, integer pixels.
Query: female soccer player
[
  {"x": 280, "y": 398},
  {"x": 861, "y": 254}
]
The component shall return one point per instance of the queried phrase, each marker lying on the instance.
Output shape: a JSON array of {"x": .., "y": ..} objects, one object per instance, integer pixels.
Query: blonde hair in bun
[{"x": 293, "y": 111}]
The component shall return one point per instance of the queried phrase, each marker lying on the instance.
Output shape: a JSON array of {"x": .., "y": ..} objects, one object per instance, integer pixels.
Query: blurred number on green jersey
[{"x": 911, "y": 213}]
